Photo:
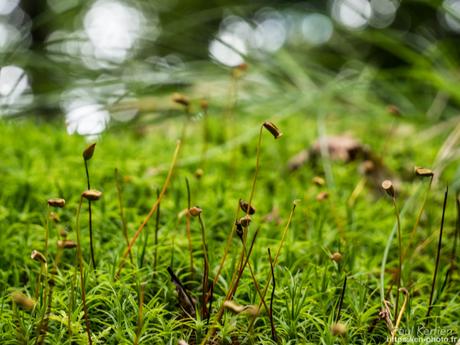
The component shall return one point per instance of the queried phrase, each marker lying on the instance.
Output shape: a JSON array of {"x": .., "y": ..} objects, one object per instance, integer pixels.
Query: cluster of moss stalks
[{"x": 203, "y": 307}]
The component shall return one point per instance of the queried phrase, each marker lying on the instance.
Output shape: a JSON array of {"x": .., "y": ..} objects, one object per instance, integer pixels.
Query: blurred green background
[{"x": 99, "y": 63}]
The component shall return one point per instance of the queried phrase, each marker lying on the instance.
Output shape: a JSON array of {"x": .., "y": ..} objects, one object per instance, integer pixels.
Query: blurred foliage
[{"x": 410, "y": 55}]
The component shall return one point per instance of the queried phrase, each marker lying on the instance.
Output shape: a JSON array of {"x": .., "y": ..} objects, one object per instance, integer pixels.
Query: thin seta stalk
[
  {"x": 270, "y": 310},
  {"x": 87, "y": 155},
  {"x": 152, "y": 210},
  {"x": 387, "y": 185},
  {"x": 438, "y": 255},
  {"x": 71, "y": 300},
  {"x": 244, "y": 223},
  {"x": 395, "y": 328},
  {"x": 204, "y": 105},
  {"x": 241, "y": 228},
  {"x": 185, "y": 103},
  {"x": 235, "y": 281},
  {"x": 49, "y": 283},
  {"x": 47, "y": 230},
  {"x": 43, "y": 324},
  {"x": 342, "y": 296},
  {"x": 146, "y": 236},
  {"x": 227, "y": 247},
  {"x": 421, "y": 172},
  {"x": 62, "y": 245},
  {"x": 188, "y": 230},
  {"x": 44, "y": 267},
  {"x": 238, "y": 272},
  {"x": 254, "y": 280},
  {"x": 275, "y": 260},
  {"x": 247, "y": 207},
  {"x": 236, "y": 73},
  {"x": 453, "y": 254},
  {"x": 20, "y": 299},
  {"x": 92, "y": 195},
  {"x": 196, "y": 212},
  {"x": 271, "y": 127}
]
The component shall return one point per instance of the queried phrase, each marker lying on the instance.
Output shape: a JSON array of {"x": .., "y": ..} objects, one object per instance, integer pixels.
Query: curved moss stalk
[
  {"x": 254, "y": 180},
  {"x": 90, "y": 217},
  {"x": 270, "y": 127},
  {"x": 152, "y": 210}
]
